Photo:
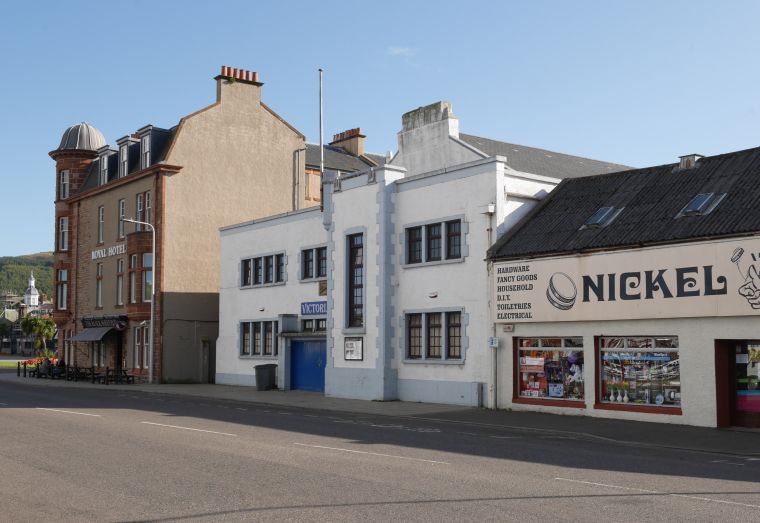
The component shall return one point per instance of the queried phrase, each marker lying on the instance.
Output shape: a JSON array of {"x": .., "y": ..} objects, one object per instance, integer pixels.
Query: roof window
[
  {"x": 701, "y": 204},
  {"x": 602, "y": 218}
]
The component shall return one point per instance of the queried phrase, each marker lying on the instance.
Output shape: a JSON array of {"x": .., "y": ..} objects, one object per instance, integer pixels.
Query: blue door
[{"x": 307, "y": 365}]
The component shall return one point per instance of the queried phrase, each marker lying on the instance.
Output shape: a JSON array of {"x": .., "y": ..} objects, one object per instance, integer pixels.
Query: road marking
[
  {"x": 372, "y": 453},
  {"x": 240, "y": 408},
  {"x": 688, "y": 496},
  {"x": 4, "y": 404},
  {"x": 505, "y": 437},
  {"x": 284, "y": 413},
  {"x": 311, "y": 415},
  {"x": 71, "y": 412},
  {"x": 188, "y": 428},
  {"x": 726, "y": 462}
]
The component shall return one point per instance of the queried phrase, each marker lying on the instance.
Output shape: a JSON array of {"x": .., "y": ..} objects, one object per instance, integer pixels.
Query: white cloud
[{"x": 404, "y": 52}]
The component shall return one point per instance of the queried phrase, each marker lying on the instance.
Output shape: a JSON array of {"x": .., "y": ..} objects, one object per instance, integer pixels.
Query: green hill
[{"x": 14, "y": 272}]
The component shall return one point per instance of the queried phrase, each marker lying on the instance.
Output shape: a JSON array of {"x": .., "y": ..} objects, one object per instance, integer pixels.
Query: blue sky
[{"x": 637, "y": 82}]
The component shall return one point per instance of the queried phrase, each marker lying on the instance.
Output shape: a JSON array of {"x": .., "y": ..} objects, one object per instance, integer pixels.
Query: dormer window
[
  {"x": 123, "y": 160},
  {"x": 63, "y": 187},
  {"x": 701, "y": 204},
  {"x": 602, "y": 218},
  {"x": 145, "y": 152},
  {"x": 103, "y": 169}
]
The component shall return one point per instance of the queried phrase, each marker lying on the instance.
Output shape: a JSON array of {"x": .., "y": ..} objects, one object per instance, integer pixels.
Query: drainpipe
[{"x": 490, "y": 211}]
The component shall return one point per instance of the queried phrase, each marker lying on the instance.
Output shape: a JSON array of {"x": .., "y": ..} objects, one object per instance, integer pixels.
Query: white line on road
[
  {"x": 240, "y": 408},
  {"x": 188, "y": 428},
  {"x": 70, "y": 412},
  {"x": 688, "y": 496},
  {"x": 372, "y": 453},
  {"x": 3, "y": 404}
]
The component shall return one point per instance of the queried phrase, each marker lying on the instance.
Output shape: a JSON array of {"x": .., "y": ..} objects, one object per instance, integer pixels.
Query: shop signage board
[
  {"x": 720, "y": 278},
  {"x": 313, "y": 308},
  {"x": 353, "y": 349},
  {"x": 107, "y": 252}
]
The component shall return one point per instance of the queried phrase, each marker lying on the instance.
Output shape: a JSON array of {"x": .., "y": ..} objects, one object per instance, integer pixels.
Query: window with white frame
[
  {"x": 122, "y": 215},
  {"x": 63, "y": 233},
  {"x": 101, "y": 223},
  {"x": 314, "y": 325},
  {"x": 62, "y": 292},
  {"x": 145, "y": 152},
  {"x": 103, "y": 170},
  {"x": 140, "y": 346},
  {"x": 550, "y": 368},
  {"x": 434, "y": 336},
  {"x": 258, "y": 338},
  {"x": 99, "y": 285},
  {"x": 433, "y": 242},
  {"x": 314, "y": 263},
  {"x": 263, "y": 270},
  {"x": 148, "y": 208},
  {"x": 63, "y": 185},
  {"x": 123, "y": 160},
  {"x": 120, "y": 282},
  {"x": 133, "y": 279},
  {"x": 147, "y": 277},
  {"x": 139, "y": 211}
]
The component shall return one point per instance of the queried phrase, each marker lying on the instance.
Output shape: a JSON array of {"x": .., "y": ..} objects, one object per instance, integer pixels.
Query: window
[
  {"x": 103, "y": 170},
  {"x": 99, "y": 285},
  {"x": 68, "y": 357},
  {"x": 245, "y": 339},
  {"x": 314, "y": 325},
  {"x": 322, "y": 262},
  {"x": 453, "y": 335},
  {"x": 120, "y": 282},
  {"x": 314, "y": 263},
  {"x": 442, "y": 339},
  {"x": 122, "y": 215},
  {"x": 148, "y": 209},
  {"x": 550, "y": 368},
  {"x": 640, "y": 371},
  {"x": 601, "y": 218},
  {"x": 146, "y": 347},
  {"x": 414, "y": 336},
  {"x": 425, "y": 243},
  {"x": 245, "y": 273},
  {"x": 453, "y": 239},
  {"x": 147, "y": 277},
  {"x": 139, "y": 212},
  {"x": 123, "y": 159},
  {"x": 145, "y": 152},
  {"x": 258, "y": 338},
  {"x": 434, "y": 341},
  {"x": 63, "y": 186},
  {"x": 141, "y": 345},
  {"x": 133, "y": 279},
  {"x": 263, "y": 270},
  {"x": 101, "y": 223},
  {"x": 63, "y": 233},
  {"x": 355, "y": 287},
  {"x": 414, "y": 245},
  {"x": 701, "y": 204},
  {"x": 433, "y": 233},
  {"x": 307, "y": 264},
  {"x": 62, "y": 292},
  {"x": 98, "y": 357}
]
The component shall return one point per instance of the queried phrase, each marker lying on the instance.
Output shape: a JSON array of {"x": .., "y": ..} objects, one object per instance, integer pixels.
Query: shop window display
[
  {"x": 550, "y": 368},
  {"x": 640, "y": 371}
]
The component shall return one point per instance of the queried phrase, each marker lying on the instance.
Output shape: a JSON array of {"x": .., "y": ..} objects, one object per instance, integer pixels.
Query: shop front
[
  {"x": 668, "y": 334},
  {"x": 100, "y": 343}
]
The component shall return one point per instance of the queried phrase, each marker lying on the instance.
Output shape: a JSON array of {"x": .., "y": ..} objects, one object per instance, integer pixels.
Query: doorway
[
  {"x": 307, "y": 365},
  {"x": 737, "y": 373}
]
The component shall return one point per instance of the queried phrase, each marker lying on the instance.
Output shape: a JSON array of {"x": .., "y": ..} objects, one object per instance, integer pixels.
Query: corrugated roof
[
  {"x": 651, "y": 198},
  {"x": 541, "y": 161}
]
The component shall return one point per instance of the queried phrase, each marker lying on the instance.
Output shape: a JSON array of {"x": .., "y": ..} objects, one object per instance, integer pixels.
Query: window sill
[
  {"x": 432, "y": 263},
  {"x": 310, "y": 280},
  {"x": 573, "y": 404},
  {"x": 648, "y": 409},
  {"x": 257, "y": 357},
  {"x": 433, "y": 361},
  {"x": 354, "y": 331},
  {"x": 262, "y": 285}
]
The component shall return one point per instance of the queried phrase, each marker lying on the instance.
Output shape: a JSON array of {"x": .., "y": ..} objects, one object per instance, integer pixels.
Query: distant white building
[
  {"x": 31, "y": 295},
  {"x": 384, "y": 295}
]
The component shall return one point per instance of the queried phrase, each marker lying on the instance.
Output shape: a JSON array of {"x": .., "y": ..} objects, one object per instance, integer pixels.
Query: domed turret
[{"x": 82, "y": 137}]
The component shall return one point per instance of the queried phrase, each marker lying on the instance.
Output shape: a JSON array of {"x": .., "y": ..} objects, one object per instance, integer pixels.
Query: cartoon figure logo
[
  {"x": 561, "y": 291},
  {"x": 750, "y": 287}
]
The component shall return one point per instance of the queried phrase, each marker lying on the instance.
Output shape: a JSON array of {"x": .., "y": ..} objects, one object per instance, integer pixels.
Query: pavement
[{"x": 730, "y": 441}]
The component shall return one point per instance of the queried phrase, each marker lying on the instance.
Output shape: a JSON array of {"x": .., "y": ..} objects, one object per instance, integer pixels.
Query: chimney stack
[
  {"x": 239, "y": 75},
  {"x": 689, "y": 161},
  {"x": 351, "y": 141}
]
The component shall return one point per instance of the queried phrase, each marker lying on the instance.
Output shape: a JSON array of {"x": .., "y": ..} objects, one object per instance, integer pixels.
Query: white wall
[
  {"x": 289, "y": 233},
  {"x": 696, "y": 338}
]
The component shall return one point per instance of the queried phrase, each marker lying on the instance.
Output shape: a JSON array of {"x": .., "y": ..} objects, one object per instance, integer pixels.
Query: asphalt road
[{"x": 104, "y": 455}]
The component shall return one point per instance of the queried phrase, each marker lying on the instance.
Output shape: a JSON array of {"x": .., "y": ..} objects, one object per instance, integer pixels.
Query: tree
[{"x": 42, "y": 329}]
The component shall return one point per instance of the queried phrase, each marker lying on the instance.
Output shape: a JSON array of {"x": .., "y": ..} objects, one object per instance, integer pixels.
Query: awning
[{"x": 91, "y": 334}]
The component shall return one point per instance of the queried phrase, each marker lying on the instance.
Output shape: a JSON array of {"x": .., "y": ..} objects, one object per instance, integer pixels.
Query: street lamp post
[{"x": 154, "y": 264}]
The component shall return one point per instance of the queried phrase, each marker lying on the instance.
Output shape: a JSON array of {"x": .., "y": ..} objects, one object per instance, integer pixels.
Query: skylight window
[
  {"x": 701, "y": 204},
  {"x": 601, "y": 218}
]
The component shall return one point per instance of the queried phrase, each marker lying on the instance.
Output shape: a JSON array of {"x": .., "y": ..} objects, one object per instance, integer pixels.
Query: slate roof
[
  {"x": 161, "y": 139},
  {"x": 651, "y": 198},
  {"x": 540, "y": 161},
  {"x": 338, "y": 159}
]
